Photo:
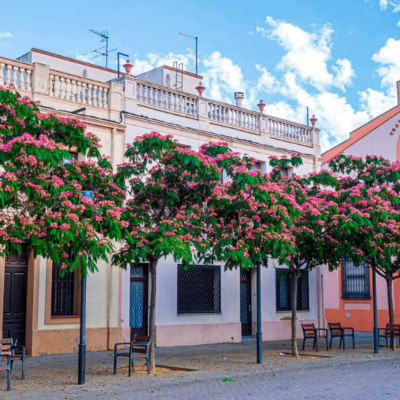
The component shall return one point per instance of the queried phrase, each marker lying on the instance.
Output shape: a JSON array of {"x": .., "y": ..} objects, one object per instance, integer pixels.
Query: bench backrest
[
  {"x": 308, "y": 330},
  {"x": 141, "y": 338},
  {"x": 392, "y": 328},
  {"x": 335, "y": 328},
  {"x": 6, "y": 346}
]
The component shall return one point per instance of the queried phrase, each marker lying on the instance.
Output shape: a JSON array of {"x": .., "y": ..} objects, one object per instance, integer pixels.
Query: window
[
  {"x": 168, "y": 81},
  {"x": 199, "y": 290},
  {"x": 355, "y": 280},
  {"x": 65, "y": 292},
  {"x": 284, "y": 291}
]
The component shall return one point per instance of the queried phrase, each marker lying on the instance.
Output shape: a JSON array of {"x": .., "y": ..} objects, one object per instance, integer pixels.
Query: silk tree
[
  {"x": 41, "y": 203},
  {"x": 372, "y": 184},
  {"x": 317, "y": 231},
  {"x": 168, "y": 187}
]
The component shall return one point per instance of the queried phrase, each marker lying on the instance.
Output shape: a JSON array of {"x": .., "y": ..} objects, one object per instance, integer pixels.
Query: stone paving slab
[{"x": 345, "y": 374}]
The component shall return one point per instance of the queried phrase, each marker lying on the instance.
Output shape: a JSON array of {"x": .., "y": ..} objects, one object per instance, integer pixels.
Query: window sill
[
  {"x": 62, "y": 320},
  {"x": 367, "y": 299},
  {"x": 196, "y": 314},
  {"x": 290, "y": 311}
]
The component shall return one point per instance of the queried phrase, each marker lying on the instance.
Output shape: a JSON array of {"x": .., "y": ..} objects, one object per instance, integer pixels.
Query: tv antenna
[
  {"x": 105, "y": 53},
  {"x": 195, "y": 38}
]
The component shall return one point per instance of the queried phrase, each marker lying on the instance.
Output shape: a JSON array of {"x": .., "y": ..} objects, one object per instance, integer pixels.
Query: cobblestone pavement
[{"x": 349, "y": 374}]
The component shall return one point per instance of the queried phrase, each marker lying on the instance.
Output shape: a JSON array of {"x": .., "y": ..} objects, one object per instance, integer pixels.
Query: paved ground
[{"x": 349, "y": 374}]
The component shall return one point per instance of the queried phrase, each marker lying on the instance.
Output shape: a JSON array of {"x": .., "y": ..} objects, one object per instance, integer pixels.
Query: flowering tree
[
  {"x": 318, "y": 230},
  {"x": 372, "y": 185},
  {"x": 41, "y": 203},
  {"x": 251, "y": 215},
  {"x": 168, "y": 186}
]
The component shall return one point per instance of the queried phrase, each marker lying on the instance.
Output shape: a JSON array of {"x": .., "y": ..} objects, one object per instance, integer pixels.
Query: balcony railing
[{"x": 102, "y": 95}]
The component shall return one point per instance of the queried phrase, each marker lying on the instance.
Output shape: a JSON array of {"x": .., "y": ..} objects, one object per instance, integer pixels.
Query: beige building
[{"x": 188, "y": 312}]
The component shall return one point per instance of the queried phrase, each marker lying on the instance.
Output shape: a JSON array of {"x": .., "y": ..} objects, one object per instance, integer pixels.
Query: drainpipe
[
  {"x": 319, "y": 295},
  {"x": 376, "y": 331}
]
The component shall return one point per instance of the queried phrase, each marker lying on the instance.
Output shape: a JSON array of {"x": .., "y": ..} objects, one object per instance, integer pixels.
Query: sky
[{"x": 340, "y": 58}]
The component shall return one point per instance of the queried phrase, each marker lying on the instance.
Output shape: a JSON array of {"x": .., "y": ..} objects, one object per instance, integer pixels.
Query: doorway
[
  {"x": 14, "y": 305},
  {"x": 245, "y": 302},
  {"x": 138, "y": 300}
]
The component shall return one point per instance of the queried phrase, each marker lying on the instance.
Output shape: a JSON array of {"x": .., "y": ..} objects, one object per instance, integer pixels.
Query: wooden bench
[
  {"x": 391, "y": 331},
  {"x": 139, "y": 347},
  {"x": 340, "y": 332},
  {"x": 311, "y": 332}
]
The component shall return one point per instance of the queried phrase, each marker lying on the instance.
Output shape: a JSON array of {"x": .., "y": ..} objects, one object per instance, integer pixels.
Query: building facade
[
  {"x": 348, "y": 290},
  {"x": 205, "y": 304}
]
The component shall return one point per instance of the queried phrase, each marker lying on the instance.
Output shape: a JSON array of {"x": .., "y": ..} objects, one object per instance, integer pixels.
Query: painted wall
[{"x": 173, "y": 329}]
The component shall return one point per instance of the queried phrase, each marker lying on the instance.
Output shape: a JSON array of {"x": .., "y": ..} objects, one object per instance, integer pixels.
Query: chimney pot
[{"x": 239, "y": 96}]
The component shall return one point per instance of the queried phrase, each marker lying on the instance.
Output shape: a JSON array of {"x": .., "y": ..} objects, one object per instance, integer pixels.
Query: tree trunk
[
  {"x": 389, "y": 281},
  {"x": 295, "y": 352},
  {"x": 153, "y": 271}
]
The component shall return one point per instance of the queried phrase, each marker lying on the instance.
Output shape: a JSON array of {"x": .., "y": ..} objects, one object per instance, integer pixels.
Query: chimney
[{"x": 239, "y": 96}]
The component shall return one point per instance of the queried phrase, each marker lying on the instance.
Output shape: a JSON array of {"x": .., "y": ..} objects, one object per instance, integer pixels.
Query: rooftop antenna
[
  {"x": 104, "y": 38},
  {"x": 195, "y": 38}
]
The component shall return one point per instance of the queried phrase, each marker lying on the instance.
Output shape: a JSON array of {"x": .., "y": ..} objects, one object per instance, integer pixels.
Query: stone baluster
[
  {"x": 85, "y": 93},
  {"x": 14, "y": 77},
  {"x": 105, "y": 102},
  {"x": 139, "y": 92},
  {"x": 144, "y": 94},
  {"x": 21, "y": 78},
  {"x": 170, "y": 100},
  {"x": 56, "y": 86},
  {"x": 195, "y": 107},
  {"x": 101, "y": 96},
  {"x": 95, "y": 99},
  {"x": 184, "y": 104},
  {"x": 89, "y": 94},
  {"x": 155, "y": 96},
  {"x": 28, "y": 80},
  {"x": 73, "y": 90},
  {"x": 180, "y": 103},
  {"x": 228, "y": 118},
  {"x": 2, "y": 65},
  {"x": 62, "y": 88},
  {"x": 51, "y": 84},
  {"x": 79, "y": 92},
  {"x": 8, "y": 74},
  {"x": 166, "y": 99},
  {"x": 67, "y": 89},
  {"x": 150, "y": 97}
]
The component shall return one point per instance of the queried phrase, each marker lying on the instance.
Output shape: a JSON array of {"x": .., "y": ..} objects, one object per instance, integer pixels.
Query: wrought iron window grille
[
  {"x": 199, "y": 290},
  {"x": 284, "y": 291},
  {"x": 355, "y": 280},
  {"x": 65, "y": 295}
]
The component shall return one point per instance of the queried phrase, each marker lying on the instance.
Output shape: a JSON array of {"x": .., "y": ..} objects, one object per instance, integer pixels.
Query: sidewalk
[{"x": 55, "y": 377}]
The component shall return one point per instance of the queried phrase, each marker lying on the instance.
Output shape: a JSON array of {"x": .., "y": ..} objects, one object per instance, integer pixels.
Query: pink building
[{"x": 348, "y": 290}]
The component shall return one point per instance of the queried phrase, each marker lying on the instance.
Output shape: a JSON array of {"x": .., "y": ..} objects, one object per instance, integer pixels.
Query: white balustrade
[
  {"x": 76, "y": 89},
  {"x": 168, "y": 99},
  {"x": 289, "y": 130},
  {"x": 15, "y": 73}
]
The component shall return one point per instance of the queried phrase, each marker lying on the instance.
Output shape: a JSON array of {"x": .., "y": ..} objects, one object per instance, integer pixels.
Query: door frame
[
  {"x": 249, "y": 312},
  {"x": 146, "y": 294},
  {"x": 32, "y": 300}
]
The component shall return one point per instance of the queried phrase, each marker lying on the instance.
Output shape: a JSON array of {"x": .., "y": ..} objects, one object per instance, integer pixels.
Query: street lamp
[{"x": 82, "y": 333}]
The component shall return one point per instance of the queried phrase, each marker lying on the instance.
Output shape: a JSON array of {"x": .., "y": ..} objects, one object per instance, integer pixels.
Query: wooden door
[
  {"x": 14, "y": 306},
  {"x": 138, "y": 300},
  {"x": 245, "y": 302}
]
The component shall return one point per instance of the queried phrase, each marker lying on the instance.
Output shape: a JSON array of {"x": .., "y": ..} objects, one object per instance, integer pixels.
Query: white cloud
[
  {"x": 393, "y": 3},
  {"x": 222, "y": 78},
  {"x": 84, "y": 57},
  {"x": 5, "y": 34},
  {"x": 344, "y": 74}
]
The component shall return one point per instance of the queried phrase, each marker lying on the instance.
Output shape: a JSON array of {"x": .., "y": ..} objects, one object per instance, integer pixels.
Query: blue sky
[{"x": 341, "y": 58}]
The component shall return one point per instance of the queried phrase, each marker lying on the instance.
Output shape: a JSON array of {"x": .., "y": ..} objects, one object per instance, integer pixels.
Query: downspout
[{"x": 319, "y": 295}]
